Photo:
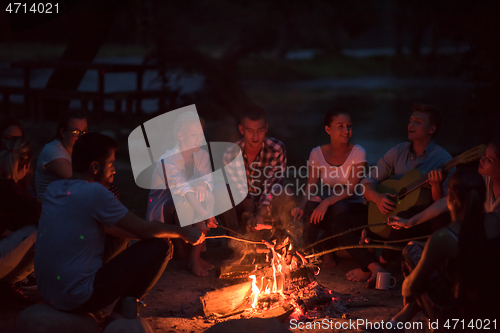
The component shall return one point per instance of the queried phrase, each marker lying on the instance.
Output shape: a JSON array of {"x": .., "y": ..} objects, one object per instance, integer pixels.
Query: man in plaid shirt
[{"x": 265, "y": 165}]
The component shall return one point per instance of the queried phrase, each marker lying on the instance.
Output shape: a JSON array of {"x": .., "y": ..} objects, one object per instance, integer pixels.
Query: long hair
[
  {"x": 467, "y": 193},
  {"x": 15, "y": 154}
]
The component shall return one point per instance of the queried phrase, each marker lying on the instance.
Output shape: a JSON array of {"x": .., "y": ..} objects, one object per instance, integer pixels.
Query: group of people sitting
[{"x": 84, "y": 261}]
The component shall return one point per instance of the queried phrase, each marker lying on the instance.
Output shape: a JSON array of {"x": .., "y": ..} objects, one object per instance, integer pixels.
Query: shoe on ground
[
  {"x": 13, "y": 295},
  {"x": 29, "y": 283}
]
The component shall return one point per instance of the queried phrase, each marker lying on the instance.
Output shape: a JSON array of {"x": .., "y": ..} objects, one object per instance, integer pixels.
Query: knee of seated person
[
  {"x": 31, "y": 232},
  {"x": 341, "y": 207},
  {"x": 410, "y": 248},
  {"x": 161, "y": 246}
]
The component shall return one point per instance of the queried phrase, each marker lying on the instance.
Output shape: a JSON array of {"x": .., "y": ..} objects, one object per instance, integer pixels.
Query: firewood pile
[{"x": 282, "y": 287}]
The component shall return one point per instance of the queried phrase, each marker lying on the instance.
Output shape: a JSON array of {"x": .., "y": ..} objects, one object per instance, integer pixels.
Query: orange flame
[{"x": 277, "y": 285}]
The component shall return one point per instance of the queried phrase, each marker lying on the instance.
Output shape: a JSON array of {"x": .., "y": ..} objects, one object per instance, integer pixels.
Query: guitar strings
[
  {"x": 416, "y": 184},
  {"x": 413, "y": 186}
]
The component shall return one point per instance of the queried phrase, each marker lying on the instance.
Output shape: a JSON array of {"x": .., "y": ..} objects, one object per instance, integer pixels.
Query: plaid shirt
[{"x": 270, "y": 160}]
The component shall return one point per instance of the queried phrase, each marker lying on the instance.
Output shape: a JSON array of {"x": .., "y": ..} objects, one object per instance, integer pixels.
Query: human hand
[
  {"x": 192, "y": 235},
  {"x": 211, "y": 222},
  {"x": 385, "y": 203},
  {"x": 201, "y": 192},
  {"x": 398, "y": 222},
  {"x": 436, "y": 178},
  {"x": 319, "y": 213},
  {"x": 297, "y": 213}
]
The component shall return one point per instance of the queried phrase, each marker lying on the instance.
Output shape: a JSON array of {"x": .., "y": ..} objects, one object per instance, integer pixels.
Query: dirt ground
[{"x": 173, "y": 304}]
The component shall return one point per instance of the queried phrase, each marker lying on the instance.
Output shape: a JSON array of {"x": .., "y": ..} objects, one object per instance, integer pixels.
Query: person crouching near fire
[
  {"x": 77, "y": 213},
  {"x": 183, "y": 175}
]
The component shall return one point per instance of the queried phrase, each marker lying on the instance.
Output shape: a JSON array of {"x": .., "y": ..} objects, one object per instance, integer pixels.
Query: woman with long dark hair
[
  {"x": 455, "y": 274},
  {"x": 337, "y": 166}
]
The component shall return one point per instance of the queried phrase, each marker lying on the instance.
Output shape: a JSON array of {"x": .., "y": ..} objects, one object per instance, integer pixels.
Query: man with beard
[{"x": 77, "y": 213}]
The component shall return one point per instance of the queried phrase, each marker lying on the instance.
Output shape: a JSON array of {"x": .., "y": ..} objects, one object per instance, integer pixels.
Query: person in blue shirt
[{"x": 421, "y": 153}]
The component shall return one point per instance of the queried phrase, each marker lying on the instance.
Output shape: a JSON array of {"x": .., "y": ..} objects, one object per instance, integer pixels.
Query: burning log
[
  {"x": 281, "y": 312},
  {"x": 226, "y": 300},
  {"x": 236, "y": 271}
]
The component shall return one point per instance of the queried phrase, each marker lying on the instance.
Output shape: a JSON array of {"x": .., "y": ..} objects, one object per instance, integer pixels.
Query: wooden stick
[
  {"x": 399, "y": 241},
  {"x": 238, "y": 239},
  {"x": 230, "y": 230},
  {"x": 345, "y": 232},
  {"x": 368, "y": 246}
]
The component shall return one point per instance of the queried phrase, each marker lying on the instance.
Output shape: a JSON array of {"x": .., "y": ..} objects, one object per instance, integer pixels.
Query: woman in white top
[
  {"x": 339, "y": 165},
  {"x": 183, "y": 175},
  {"x": 54, "y": 162}
]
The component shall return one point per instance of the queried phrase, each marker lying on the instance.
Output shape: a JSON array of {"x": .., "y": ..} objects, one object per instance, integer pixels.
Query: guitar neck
[
  {"x": 424, "y": 179},
  {"x": 468, "y": 156},
  {"x": 450, "y": 164}
]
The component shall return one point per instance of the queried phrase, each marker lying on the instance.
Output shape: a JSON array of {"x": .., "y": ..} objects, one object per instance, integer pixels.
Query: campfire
[{"x": 283, "y": 286}]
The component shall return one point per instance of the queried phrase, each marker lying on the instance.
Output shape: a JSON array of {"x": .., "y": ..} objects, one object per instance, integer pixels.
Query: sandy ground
[{"x": 173, "y": 304}]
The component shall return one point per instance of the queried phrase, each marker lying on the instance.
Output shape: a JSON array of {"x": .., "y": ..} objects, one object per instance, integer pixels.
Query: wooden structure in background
[{"x": 34, "y": 98}]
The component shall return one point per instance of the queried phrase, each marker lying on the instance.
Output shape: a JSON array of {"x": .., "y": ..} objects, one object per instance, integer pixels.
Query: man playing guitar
[{"x": 421, "y": 153}]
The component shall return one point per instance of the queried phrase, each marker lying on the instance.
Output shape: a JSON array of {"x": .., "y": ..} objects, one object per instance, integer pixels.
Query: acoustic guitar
[{"x": 411, "y": 193}]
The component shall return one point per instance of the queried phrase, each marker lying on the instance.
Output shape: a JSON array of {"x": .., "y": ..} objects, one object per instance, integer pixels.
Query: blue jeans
[{"x": 17, "y": 252}]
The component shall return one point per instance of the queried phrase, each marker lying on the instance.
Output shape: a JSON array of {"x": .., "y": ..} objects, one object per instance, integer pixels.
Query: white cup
[{"x": 384, "y": 281}]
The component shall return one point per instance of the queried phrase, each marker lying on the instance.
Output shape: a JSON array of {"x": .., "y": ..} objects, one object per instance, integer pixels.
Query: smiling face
[
  {"x": 340, "y": 129},
  {"x": 489, "y": 165},
  {"x": 419, "y": 127},
  {"x": 191, "y": 136},
  {"x": 254, "y": 132}
]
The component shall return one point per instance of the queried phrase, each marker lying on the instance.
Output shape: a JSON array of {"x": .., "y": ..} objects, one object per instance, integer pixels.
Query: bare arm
[
  {"x": 60, "y": 167},
  {"x": 119, "y": 232},
  {"x": 437, "y": 208},
  {"x": 195, "y": 203},
  {"x": 436, "y": 179},
  {"x": 133, "y": 224}
]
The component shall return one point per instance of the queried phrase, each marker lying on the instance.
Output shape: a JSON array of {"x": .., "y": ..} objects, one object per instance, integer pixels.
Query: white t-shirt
[
  {"x": 70, "y": 240},
  {"x": 490, "y": 204},
  {"x": 331, "y": 174},
  {"x": 43, "y": 177}
]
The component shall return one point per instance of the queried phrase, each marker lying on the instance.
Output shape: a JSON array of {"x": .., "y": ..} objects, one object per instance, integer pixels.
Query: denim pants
[{"x": 17, "y": 252}]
